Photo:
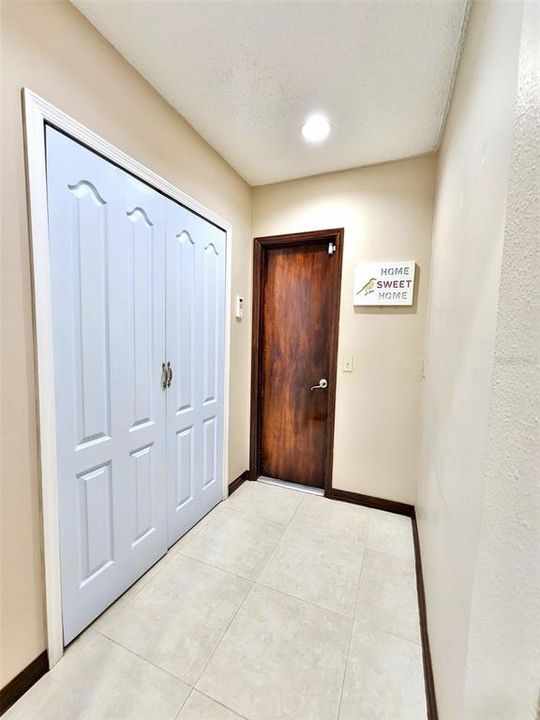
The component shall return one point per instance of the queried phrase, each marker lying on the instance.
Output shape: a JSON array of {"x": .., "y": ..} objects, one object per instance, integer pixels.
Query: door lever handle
[{"x": 323, "y": 384}]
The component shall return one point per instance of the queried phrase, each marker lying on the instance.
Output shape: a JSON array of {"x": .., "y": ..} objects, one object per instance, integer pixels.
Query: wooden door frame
[
  {"x": 260, "y": 247},
  {"x": 37, "y": 113}
]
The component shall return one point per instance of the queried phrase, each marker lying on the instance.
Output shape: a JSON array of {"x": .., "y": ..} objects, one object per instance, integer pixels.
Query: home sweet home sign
[{"x": 384, "y": 283}]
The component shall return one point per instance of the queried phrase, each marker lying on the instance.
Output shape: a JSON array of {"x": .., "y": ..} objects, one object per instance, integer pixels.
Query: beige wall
[
  {"x": 503, "y": 661},
  {"x": 386, "y": 211},
  {"x": 468, "y": 234},
  {"x": 54, "y": 51}
]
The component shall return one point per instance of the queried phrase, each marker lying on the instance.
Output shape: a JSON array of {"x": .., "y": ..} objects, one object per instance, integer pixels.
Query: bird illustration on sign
[{"x": 368, "y": 288}]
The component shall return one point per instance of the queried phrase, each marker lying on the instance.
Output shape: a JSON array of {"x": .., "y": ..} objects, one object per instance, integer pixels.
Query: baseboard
[
  {"x": 408, "y": 510},
  {"x": 22, "y": 682},
  {"x": 240, "y": 480},
  {"x": 431, "y": 699},
  {"x": 372, "y": 502}
]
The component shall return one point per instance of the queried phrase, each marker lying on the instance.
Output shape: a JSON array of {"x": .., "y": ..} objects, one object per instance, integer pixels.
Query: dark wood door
[{"x": 297, "y": 333}]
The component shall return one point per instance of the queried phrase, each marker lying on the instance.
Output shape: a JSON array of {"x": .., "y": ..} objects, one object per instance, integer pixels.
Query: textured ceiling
[{"x": 246, "y": 74}]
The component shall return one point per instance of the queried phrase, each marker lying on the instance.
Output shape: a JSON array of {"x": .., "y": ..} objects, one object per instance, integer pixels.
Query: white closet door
[
  {"x": 107, "y": 245},
  {"x": 195, "y": 349},
  {"x": 140, "y": 286}
]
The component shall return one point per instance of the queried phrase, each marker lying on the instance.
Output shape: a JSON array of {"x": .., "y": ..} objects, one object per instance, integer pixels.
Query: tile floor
[{"x": 278, "y": 604}]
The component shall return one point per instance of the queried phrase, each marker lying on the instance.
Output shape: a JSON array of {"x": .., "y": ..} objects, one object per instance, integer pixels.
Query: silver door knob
[{"x": 323, "y": 383}]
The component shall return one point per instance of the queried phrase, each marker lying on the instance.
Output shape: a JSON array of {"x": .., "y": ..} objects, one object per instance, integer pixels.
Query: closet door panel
[
  {"x": 212, "y": 347},
  {"x": 82, "y": 200},
  {"x": 107, "y": 270},
  {"x": 195, "y": 331},
  {"x": 184, "y": 286},
  {"x": 141, "y": 233}
]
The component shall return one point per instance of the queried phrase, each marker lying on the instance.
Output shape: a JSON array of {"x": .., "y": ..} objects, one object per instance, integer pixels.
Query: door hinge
[{"x": 331, "y": 248}]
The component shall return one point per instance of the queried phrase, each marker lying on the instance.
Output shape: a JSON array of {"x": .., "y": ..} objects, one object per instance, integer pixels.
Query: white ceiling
[{"x": 246, "y": 73}]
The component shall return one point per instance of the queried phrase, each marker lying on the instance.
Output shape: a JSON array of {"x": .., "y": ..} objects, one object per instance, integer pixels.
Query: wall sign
[{"x": 384, "y": 283}]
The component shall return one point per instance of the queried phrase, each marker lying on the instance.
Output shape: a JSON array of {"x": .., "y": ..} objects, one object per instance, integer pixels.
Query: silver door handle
[
  {"x": 323, "y": 383},
  {"x": 163, "y": 376}
]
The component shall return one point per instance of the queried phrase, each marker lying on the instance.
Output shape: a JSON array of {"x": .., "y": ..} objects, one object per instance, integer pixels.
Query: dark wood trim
[
  {"x": 373, "y": 502},
  {"x": 431, "y": 698},
  {"x": 22, "y": 682},
  {"x": 408, "y": 510},
  {"x": 261, "y": 245},
  {"x": 240, "y": 480}
]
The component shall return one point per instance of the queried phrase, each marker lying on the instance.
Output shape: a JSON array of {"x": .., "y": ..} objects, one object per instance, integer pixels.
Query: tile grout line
[
  {"x": 216, "y": 567},
  {"x": 303, "y": 600},
  {"x": 249, "y": 514},
  {"x": 220, "y": 703},
  {"x": 353, "y": 619},
  {"x": 397, "y": 637},
  {"x": 295, "y": 597},
  {"x": 221, "y": 640},
  {"x": 282, "y": 527},
  {"x": 145, "y": 659},
  {"x": 252, "y": 585},
  {"x": 185, "y": 701},
  {"x": 194, "y": 689},
  {"x": 372, "y": 625},
  {"x": 237, "y": 611},
  {"x": 173, "y": 556},
  {"x": 285, "y": 528},
  {"x": 141, "y": 657},
  {"x": 254, "y": 514}
]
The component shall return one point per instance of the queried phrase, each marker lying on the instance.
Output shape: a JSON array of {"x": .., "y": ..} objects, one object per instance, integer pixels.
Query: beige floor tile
[
  {"x": 128, "y": 596},
  {"x": 96, "y": 679},
  {"x": 265, "y": 655},
  {"x": 391, "y": 533},
  {"x": 387, "y": 596},
  {"x": 188, "y": 537},
  {"x": 332, "y": 519},
  {"x": 235, "y": 542},
  {"x": 280, "y": 658},
  {"x": 266, "y": 501},
  {"x": 124, "y": 599},
  {"x": 321, "y": 570},
  {"x": 200, "y": 707},
  {"x": 177, "y": 620},
  {"x": 384, "y": 678}
]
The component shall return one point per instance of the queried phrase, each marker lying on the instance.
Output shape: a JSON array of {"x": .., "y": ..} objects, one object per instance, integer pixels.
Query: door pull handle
[
  {"x": 169, "y": 374},
  {"x": 323, "y": 384},
  {"x": 163, "y": 376}
]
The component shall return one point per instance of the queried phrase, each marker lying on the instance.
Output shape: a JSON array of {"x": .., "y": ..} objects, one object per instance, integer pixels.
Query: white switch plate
[
  {"x": 239, "y": 307},
  {"x": 348, "y": 363}
]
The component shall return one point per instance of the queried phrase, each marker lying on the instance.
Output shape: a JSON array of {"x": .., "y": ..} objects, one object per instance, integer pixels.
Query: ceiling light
[{"x": 316, "y": 128}]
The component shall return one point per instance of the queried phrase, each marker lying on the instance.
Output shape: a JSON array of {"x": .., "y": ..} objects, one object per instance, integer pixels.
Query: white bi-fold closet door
[{"x": 138, "y": 316}]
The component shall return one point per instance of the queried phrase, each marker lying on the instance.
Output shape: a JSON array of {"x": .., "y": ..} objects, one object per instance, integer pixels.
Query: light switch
[{"x": 348, "y": 363}]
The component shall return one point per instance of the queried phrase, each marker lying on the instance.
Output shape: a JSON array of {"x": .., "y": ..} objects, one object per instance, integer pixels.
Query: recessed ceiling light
[{"x": 316, "y": 128}]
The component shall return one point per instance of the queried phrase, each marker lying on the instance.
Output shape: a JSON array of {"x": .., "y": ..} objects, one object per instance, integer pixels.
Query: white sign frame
[{"x": 384, "y": 283}]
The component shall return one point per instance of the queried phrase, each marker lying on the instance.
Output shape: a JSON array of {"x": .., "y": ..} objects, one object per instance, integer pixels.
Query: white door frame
[{"x": 37, "y": 112}]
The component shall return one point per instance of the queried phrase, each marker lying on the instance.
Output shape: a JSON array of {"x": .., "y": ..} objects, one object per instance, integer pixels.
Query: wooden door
[{"x": 297, "y": 282}]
